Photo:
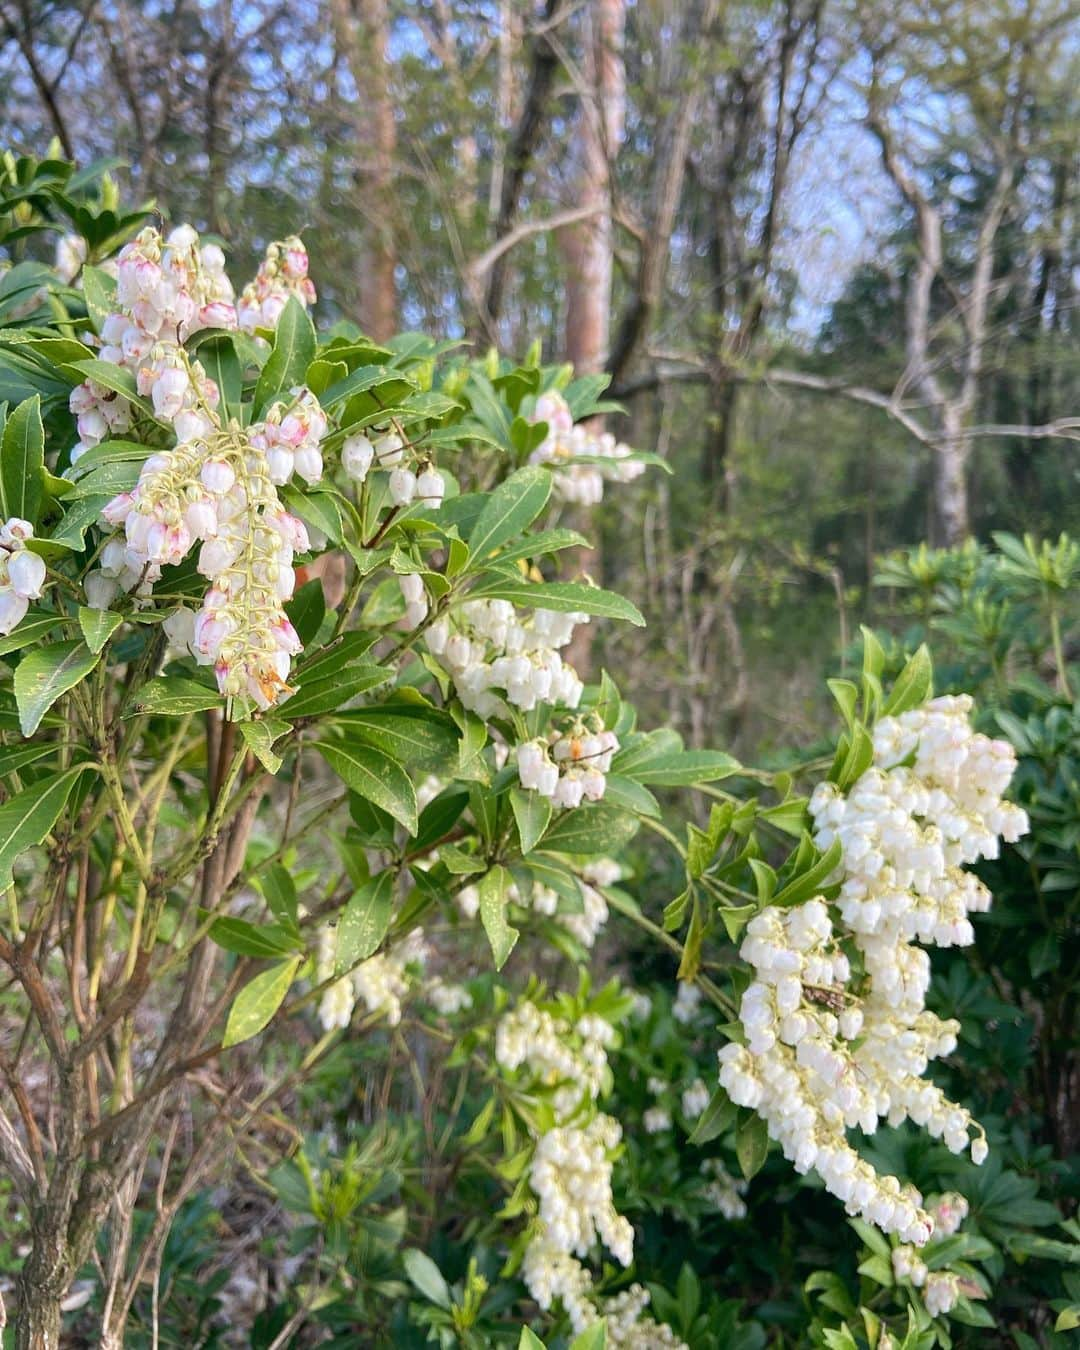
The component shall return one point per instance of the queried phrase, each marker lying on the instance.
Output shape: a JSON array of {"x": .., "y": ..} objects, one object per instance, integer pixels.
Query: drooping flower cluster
[
  {"x": 570, "y": 765},
  {"x": 495, "y": 656},
  {"x": 573, "y": 450},
  {"x": 825, "y": 1053},
  {"x": 413, "y": 478},
  {"x": 22, "y": 572},
  {"x": 282, "y": 272},
  {"x": 218, "y": 491},
  {"x": 379, "y": 983},
  {"x": 570, "y": 1172}
]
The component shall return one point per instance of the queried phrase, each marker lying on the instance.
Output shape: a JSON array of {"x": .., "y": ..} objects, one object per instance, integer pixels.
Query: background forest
[{"x": 828, "y": 254}]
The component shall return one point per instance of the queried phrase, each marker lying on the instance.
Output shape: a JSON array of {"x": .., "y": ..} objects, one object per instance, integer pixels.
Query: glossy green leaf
[
  {"x": 43, "y": 675},
  {"x": 258, "y": 1001}
]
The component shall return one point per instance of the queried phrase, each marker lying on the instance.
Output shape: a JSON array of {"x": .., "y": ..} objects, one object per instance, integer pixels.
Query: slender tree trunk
[
  {"x": 588, "y": 246},
  {"x": 950, "y": 488},
  {"x": 378, "y": 305}
]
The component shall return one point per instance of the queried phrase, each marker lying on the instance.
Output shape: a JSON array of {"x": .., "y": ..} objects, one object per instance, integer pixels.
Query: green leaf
[
  {"x": 415, "y": 734},
  {"x": 913, "y": 685},
  {"x": 22, "y": 461},
  {"x": 530, "y": 1341},
  {"x": 27, "y": 818},
  {"x": 751, "y": 1144},
  {"x": 566, "y": 597},
  {"x": 717, "y": 1117},
  {"x": 293, "y": 351},
  {"x": 426, "y": 1276},
  {"x": 1068, "y": 1319},
  {"x": 331, "y": 693},
  {"x": 510, "y": 510},
  {"x": 375, "y": 776},
  {"x": 45, "y": 674},
  {"x": 592, "y": 1338},
  {"x": 175, "y": 696},
  {"x": 218, "y": 358},
  {"x": 99, "y": 289},
  {"x": 37, "y": 624},
  {"x": 247, "y": 939},
  {"x": 259, "y": 737},
  {"x": 500, "y": 934},
  {"x": 591, "y": 829},
  {"x": 365, "y": 920},
  {"x": 280, "y": 891},
  {"x": 258, "y": 1001},
  {"x": 307, "y": 609},
  {"x": 98, "y": 625},
  {"x": 685, "y": 768},
  {"x": 533, "y": 815},
  {"x": 810, "y": 882}
]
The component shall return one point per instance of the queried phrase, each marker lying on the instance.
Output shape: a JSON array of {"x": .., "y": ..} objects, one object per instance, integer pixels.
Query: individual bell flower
[
  {"x": 389, "y": 450},
  {"x": 430, "y": 488},
  {"x": 357, "y": 454},
  {"x": 402, "y": 486},
  {"x": 415, "y": 596}
]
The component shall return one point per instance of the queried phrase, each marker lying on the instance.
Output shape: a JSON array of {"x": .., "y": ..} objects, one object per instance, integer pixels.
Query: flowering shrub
[{"x": 275, "y": 811}]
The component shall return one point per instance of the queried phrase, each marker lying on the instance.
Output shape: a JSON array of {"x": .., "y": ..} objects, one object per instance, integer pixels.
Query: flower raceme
[
  {"x": 572, "y": 448},
  {"x": 825, "y": 1051}
]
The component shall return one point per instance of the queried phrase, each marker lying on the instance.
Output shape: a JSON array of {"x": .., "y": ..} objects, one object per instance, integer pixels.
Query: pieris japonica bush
[{"x": 295, "y": 760}]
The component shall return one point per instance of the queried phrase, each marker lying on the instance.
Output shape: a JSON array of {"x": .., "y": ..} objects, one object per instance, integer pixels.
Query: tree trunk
[
  {"x": 951, "y": 520},
  {"x": 588, "y": 245},
  {"x": 42, "y": 1284},
  {"x": 378, "y": 305}
]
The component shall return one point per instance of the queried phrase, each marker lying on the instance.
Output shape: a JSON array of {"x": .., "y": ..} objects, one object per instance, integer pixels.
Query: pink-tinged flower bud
[
  {"x": 26, "y": 574},
  {"x": 286, "y": 636},
  {"x": 82, "y": 398},
  {"x": 271, "y": 310},
  {"x": 212, "y": 257},
  {"x": 296, "y": 262},
  {"x": 190, "y": 425},
  {"x": 92, "y": 427},
  {"x": 217, "y": 314},
  {"x": 292, "y": 530},
  {"x": 148, "y": 317},
  {"x": 217, "y": 476},
  {"x": 135, "y": 343},
  {"x": 13, "y": 609},
  {"x": 217, "y": 556},
  {"x": 15, "y": 531},
  {"x": 201, "y": 519},
  {"x": 170, "y": 389},
  {"x": 114, "y": 328}
]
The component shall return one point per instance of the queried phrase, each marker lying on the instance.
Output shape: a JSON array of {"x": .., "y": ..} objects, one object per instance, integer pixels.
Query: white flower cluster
[
  {"x": 629, "y": 1329},
  {"x": 380, "y": 982},
  {"x": 22, "y": 572},
  {"x": 167, "y": 290},
  {"x": 824, "y": 1054},
  {"x": 570, "y": 1172},
  {"x": 416, "y": 480},
  {"x": 572, "y": 1060},
  {"x": 571, "y": 1176},
  {"x": 586, "y": 926},
  {"x": 570, "y": 766},
  {"x": 448, "y": 999},
  {"x": 551, "y": 1275},
  {"x": 570, "y": 449},
  {"x": 723, "y": 1191},
  {"x": 282, "y": 272},
  {"x": 495, "y": 656},
  {"x": 219, "y": 491}
]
